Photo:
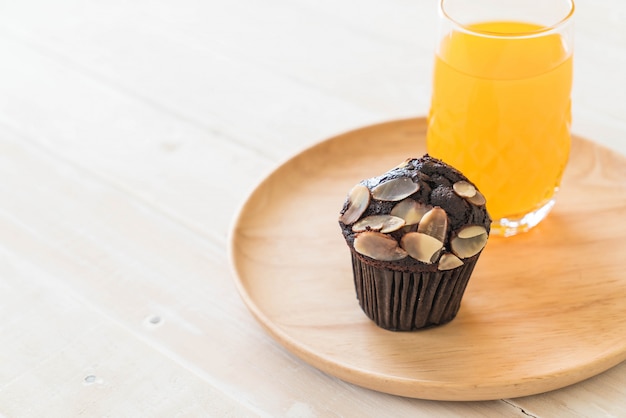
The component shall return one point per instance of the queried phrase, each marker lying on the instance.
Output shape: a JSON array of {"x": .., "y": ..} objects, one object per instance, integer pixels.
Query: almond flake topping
[
  {"x": 468, "y": 247},
  {"x": 421, "y": 247},
  {"x": 449, "y": 261},
  {"x": 381, "y": 223},
  {"x": 378, "y": 246},
  {"x": 434, "y": 223},
  {"x": 358, "y": 200},
  {"x": 409, "y": 210},
  {"x": 471, "y": 231},
  {"x": 478, "y": 199},
  {"x": 395, "y": 189},
  {"x": 464, "y": 189}
]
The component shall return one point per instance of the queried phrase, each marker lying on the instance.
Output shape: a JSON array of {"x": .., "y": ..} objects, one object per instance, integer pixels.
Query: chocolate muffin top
[{"x": 422, "y": 215}]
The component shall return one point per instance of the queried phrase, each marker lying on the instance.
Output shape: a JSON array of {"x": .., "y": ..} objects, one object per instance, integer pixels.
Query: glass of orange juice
[{"x": 500, "y": 109}]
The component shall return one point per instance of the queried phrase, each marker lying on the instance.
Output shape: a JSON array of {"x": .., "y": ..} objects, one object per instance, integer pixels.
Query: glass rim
[{"x": 512, "y": 35}]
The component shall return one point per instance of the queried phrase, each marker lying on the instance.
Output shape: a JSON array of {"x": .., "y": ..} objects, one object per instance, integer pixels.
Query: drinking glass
[{"x": 500, "y": 109}]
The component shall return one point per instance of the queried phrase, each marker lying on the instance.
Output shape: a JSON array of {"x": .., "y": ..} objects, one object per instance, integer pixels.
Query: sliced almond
[
  {"x": 358, "y": 200},
  {"x": 382, "y": 223},
  {"x": 395, "y": 189},
  {"x": 471, "y": 231},
  {"x": 478, "y": 199},
  {"x": 468, "y": 247},
  {"x": 378, "y": 246},
  {"x": 421, "y": 247},
  {"x": 434, "y": 223},
  {"x": 449, "y": 261},
  {"x": 409, "y": 210},
  {"x": 464, "y": 189}
]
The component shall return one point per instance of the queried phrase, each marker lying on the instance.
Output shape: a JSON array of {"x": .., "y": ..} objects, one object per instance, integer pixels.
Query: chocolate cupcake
[{"x": 415, "y": 234}]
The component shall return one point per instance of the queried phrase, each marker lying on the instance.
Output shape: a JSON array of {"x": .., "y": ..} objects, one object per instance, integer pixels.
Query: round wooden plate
[{"x": 543, "y": 310}]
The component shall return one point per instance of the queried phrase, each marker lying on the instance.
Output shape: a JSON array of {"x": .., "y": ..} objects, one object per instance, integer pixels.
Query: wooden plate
[{"x": 543, "y": 310}]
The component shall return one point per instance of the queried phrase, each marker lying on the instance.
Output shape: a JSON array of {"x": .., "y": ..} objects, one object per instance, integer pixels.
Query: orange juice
[{"x": 500, "y": 113}]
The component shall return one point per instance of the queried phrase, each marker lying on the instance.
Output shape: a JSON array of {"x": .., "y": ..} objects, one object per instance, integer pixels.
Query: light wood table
[{"x": 131, "y": 133}]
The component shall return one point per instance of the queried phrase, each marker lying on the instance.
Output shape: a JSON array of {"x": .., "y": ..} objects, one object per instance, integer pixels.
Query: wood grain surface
[{"x": 543, "y": 310}]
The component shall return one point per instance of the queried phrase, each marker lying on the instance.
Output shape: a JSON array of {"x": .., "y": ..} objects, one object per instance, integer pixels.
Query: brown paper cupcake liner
[{"x": 405, "y": 301}]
